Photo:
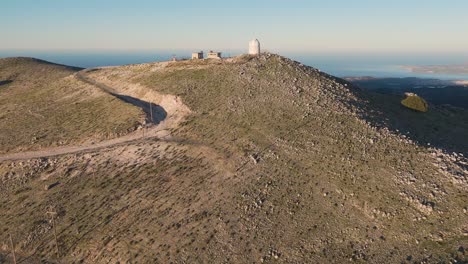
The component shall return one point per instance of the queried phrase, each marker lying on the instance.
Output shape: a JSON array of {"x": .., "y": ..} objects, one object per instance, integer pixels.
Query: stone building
[
  {"x": 214, "y": 55},
  {"x": 197, "y": 55},
  {"x": 254, "y": 47}
]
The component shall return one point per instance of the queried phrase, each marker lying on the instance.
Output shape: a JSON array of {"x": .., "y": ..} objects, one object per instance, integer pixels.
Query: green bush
[{"x": 416, "y": 103}]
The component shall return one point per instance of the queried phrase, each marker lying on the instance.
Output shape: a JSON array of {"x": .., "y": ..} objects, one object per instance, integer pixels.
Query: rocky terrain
[{"x": 262, "y": 160}]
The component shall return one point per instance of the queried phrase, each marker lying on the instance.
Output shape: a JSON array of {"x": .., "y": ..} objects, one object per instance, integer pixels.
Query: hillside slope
[
  {"x": 42, "y": 104},
  {"x": 277, "y": 162}
]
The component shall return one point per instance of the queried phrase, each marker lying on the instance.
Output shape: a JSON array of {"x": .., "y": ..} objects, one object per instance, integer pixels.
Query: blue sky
[{"x": 281, "y": 25}]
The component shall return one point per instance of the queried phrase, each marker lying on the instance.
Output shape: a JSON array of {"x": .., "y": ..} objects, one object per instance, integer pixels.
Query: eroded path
[{"x": 163, "y": 113}]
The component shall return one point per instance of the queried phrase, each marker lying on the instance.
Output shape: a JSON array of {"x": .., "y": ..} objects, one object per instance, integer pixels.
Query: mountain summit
[{"x": 256, "y": 159}]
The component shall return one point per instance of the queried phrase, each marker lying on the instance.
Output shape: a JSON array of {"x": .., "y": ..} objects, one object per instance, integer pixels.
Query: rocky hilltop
[{"x": 256, "y": 160}]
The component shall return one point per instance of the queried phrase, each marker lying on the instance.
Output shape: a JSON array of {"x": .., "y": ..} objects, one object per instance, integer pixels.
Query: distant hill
[
  {"x": 451, "y": 95},
  {"x": 270, "y": 161},
  {"x": 32, "y": 70},
  {"x": 437, "y": 92},
  {"x": 42, "y": 104}
]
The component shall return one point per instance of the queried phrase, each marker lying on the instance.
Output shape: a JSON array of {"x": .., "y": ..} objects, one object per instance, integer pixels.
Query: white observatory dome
[{"x": 254, "y": 47}]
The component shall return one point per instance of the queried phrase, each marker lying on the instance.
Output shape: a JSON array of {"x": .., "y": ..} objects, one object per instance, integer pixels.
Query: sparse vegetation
[
  {"x": 44, "y": 105},
  {"x": 277, "y": 162}
]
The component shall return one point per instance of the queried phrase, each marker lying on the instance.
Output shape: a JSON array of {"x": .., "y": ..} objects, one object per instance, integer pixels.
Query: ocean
[{"x": 340, "y": 65}]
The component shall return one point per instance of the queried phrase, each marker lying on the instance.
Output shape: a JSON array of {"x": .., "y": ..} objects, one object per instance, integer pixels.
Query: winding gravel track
[{"x": 158, "y": 129}]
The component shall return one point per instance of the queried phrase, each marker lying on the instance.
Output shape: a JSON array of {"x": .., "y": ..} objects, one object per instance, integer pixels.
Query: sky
[{"x": 281, "y": 25}]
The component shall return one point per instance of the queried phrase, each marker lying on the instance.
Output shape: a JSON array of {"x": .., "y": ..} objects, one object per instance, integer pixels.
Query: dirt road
[{"x": 159, "y": 120}]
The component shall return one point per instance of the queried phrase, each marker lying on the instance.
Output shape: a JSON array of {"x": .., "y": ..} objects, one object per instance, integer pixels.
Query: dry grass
[
  {"x": 276, "y": 163},
  {"x": 45, "y": 105}
]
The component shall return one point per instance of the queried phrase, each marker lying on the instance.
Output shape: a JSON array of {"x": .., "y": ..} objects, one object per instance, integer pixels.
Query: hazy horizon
[
  {"x": 337, "y": 26},
  {"x": 338, "y": 64}
]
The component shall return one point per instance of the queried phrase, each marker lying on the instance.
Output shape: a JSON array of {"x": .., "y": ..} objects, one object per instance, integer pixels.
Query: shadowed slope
[
  {"x": 154, "y": 113},
  {"x": 444, "y": 127}
]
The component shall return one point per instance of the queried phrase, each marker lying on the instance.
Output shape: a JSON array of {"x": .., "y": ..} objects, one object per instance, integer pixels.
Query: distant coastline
[
  {"x": 461, "y": 69},
  {"x": 340, "y": 65},
  {"x": 414, "y": 82}
]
